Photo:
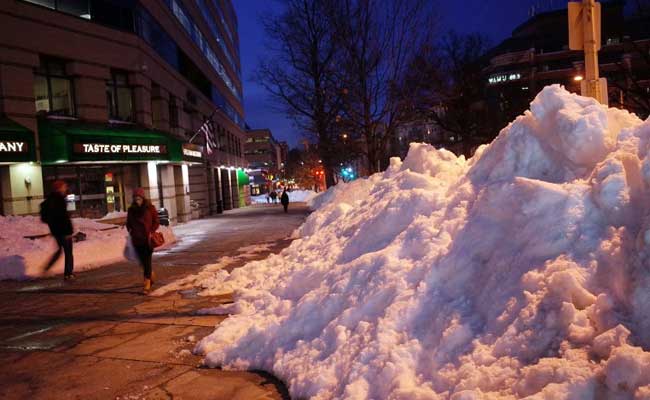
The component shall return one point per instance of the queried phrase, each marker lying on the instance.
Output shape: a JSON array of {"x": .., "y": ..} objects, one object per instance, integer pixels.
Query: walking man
[
  {"x": 55, "y": 214},
  {"x": 284, "y": 199}
]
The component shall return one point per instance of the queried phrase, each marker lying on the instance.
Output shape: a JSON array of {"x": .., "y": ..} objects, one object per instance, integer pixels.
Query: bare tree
[
  {"x": 444, "y": 85},
  {"x": 632, "y": 79},
  {"x": 377, "y": 38},
  {"x": 301, "y": 74}
]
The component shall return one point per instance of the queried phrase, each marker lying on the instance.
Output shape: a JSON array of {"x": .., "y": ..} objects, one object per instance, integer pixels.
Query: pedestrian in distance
[
  {"x": 284, "y": 199},
  {"x": 274, "y": 196},
  {"x": 141, "y": 222},
  {"x": 54, "y": 213}
]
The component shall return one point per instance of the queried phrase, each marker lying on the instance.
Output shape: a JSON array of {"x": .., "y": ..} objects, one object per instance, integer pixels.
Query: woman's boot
[{"x": 147, "y": 286}]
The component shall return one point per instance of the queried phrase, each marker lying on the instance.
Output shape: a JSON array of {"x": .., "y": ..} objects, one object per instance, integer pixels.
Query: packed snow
[
  {"x": 295, "y": 196},
  {"x": 25, "y": 258},
  {"x": 520, "y": 272},
  {"x": 114, "y": 215}
]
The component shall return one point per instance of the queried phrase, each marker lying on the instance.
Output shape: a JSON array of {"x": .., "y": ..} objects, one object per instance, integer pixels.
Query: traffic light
[{"x": 347, "y": 173}]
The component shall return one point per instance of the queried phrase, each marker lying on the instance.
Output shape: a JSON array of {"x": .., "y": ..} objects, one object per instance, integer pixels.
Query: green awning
[
  {"x": 242, "y": 178},
  {"x": 16, "y": 142},
  {"x": 79, "y": 142}
]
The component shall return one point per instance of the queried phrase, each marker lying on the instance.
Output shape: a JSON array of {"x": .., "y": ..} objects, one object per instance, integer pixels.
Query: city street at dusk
[{"x": 325, "y": 199}]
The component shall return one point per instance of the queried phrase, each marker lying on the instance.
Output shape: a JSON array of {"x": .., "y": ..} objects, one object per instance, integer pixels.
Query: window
[
  {"x": 173, "y": 112},
  {"x": 117, "y": 14},
  {"x": 156, "y": 36},
  {"x": 53, "y": 89},
  {"x": 44, "y": 3},
  {"x": 119, "y": 97},
  {"x": 78, "y": 8}
]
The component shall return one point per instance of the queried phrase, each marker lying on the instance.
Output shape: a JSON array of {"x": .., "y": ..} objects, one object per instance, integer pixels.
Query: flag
[{"x": 207, "y": 130}]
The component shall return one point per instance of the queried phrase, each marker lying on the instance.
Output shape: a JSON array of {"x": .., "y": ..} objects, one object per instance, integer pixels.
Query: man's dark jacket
[{"x": 55, "y": 214}]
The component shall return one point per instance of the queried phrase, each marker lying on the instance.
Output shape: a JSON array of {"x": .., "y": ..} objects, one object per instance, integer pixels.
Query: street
[{"x": 99, "y": 337}]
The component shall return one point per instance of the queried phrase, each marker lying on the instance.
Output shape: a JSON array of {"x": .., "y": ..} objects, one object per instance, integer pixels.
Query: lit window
[
  {"x": 119, "y": 97},
  {"x": 53, "y": 89}
]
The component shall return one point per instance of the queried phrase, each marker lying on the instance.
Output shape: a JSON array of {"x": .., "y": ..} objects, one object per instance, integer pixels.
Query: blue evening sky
[{"x": 495, "y": 18}]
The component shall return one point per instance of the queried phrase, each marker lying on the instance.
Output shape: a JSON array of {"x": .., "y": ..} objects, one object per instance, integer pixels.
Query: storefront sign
[
  {"x": 192, "y": 152},
  {"x": 13, "y": 146},
  {"x": 101, "y": 148}
]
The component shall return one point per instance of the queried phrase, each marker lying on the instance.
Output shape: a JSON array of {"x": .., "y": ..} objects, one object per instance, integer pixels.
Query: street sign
[{"x": 576, "y": 26}]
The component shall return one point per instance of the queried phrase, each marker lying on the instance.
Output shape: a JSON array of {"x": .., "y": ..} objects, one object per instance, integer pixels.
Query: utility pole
[{"x": 585, "y": 34}]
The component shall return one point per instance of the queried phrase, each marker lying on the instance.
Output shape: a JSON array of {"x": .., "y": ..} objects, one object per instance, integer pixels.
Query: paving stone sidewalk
[{"x": 100, "y": 338}]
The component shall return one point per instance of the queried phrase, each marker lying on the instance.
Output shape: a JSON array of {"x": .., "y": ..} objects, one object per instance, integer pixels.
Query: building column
[
  {"x": 199, "y": 189},
  {"x": 227, "y": 190},
  {"x": 234, "y": 186},
  {"x": 182, "y": 180},
  {"x": 141, "y": 98},
  {"x": 149, "y": 182},
  {"x": 218, "y": 190},
  {"x": 17, "y": 86},
  {"x": 22, "y": 188},
  {"x": 212, "y": 190},
  {"x": 168, "y": 183}
]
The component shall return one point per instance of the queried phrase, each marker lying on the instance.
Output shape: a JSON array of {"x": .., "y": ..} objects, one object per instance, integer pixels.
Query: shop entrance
[{"x": 95, "y": 190}]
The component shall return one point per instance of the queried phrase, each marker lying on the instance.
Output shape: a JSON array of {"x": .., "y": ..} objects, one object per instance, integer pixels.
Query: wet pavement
[{"x": 100, "y": 338}]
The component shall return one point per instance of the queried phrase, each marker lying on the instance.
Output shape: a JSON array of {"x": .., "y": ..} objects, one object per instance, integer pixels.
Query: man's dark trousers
[{"x": 65, "y": 244}]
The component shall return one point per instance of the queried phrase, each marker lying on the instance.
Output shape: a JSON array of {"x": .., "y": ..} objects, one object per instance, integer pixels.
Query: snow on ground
[
  {"x": 202, "y": 281},
  {"x": 113, "y": 215},
  {"x": 22, "y": 258},
  {"x": 296, "y": 196},
  {"x": 520, "y": 272}
]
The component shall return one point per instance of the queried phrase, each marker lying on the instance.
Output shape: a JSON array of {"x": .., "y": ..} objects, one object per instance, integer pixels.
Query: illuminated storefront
[
  {"x": 20, "y": 186},
  {"x": 103, "y": 165}
]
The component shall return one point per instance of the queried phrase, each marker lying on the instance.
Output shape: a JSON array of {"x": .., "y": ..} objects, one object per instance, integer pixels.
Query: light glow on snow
[{"x": 519, "y": 272}]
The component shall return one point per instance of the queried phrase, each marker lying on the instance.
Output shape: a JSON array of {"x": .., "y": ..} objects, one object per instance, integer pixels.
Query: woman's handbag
[{"x": 156, "y": 239}]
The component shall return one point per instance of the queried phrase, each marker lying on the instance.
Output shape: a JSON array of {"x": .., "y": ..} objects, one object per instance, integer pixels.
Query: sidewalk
[{"x": 100, "y": 338}]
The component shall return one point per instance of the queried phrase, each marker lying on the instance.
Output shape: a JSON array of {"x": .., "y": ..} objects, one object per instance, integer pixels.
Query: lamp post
[{"x": 584, "y": 34}]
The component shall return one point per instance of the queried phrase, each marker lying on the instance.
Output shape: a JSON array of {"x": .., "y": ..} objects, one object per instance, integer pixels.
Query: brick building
[{"x": 106, "y": 96}]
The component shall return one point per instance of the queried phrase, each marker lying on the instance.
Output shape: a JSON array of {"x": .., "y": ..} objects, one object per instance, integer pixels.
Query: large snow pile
[
  {"x": 23, "y": 258},
  {"x": 295, "y": 196},
  {"x": 520, "y": 272}
]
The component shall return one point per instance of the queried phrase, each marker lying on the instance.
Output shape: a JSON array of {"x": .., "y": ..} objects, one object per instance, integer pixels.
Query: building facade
[
  {"x": 262, "y": 151},
  {"x": 264, "y": 155},
  {"x": 108, "y": 95},
  {"x": 537, "y": 55}
]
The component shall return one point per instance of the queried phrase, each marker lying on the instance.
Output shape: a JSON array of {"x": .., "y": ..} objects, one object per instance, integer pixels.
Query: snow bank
[
  {"x": 522, "y": 271},
  {"x": 296, "y": 196},
  {"x": 22, "y": 258},
  {"x": 114, "y": 215}
]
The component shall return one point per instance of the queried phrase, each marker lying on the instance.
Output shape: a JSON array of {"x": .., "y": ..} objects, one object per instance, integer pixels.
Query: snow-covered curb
[{"x": 22, "y": 258}]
